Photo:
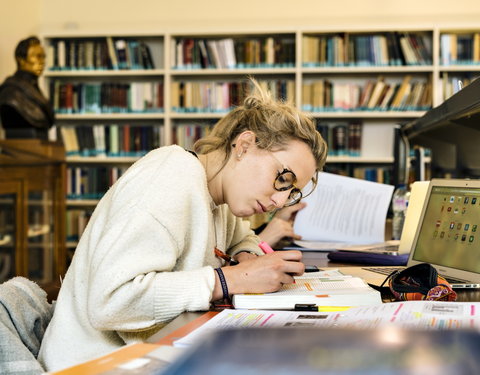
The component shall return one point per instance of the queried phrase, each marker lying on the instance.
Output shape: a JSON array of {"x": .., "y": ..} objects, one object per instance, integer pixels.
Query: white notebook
[{"x": 313, "y": 288}]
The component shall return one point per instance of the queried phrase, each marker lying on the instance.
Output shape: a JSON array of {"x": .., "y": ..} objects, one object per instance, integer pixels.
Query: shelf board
[
  {"x": 105, "y": 73},
  {"x": 368, "y": 69},
  {"x": 367, "y": 114},
  {"x": 459, "y": 68},
  {"x": 102, "y": 159},
  {"x": 82, "y": 202},
  {"x": 110, "y": 116},
  {"x": 359, "y": 159},
  {"x": 199, "y": 115},
  {"x": 245, "y": 71}
]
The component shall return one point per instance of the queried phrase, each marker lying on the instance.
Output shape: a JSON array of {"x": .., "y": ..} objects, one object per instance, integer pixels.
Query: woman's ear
[{"x": 245, "y": 140}]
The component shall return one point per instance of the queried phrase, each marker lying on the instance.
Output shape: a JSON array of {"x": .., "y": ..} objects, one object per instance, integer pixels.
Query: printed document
[
  {"x": 425, "y": 315},
  {"x": 343, "y": 210}
]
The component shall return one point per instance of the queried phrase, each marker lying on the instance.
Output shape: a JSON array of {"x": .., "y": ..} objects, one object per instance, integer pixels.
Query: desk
[{"x": 309, "y": 257}]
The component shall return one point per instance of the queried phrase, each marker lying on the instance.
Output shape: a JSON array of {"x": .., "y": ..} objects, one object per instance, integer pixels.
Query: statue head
[{"x": 30, "y": 55}]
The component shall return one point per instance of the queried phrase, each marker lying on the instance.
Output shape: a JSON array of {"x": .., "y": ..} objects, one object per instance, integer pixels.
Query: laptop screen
[{"x": 450, "y": 231}]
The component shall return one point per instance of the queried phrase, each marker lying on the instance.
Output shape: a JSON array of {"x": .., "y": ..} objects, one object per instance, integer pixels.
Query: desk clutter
[
  {"x": 301, "y": 350},
  {"x": 412, "y": 337}
]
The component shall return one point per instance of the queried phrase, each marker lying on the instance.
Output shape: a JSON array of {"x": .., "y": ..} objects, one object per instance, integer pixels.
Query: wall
[
  {"x": 198, "y": 13},
  {"x": 20, "y": 19},
  {"x": 23, "y": 17}
]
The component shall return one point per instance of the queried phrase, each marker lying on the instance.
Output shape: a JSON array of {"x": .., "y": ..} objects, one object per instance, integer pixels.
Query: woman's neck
[{"x": 212, "y": 162}]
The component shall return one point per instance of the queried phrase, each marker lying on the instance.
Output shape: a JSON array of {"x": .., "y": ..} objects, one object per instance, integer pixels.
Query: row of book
[
  {"x": 453, "y": 84},
  {"x": 385, "y": 49},
  {"x": 381, "y": 175},
  {"x": 223, "y": 96},
  {"x": 343, "y": 139},
  {"x": 77, "y": 220},
  {"x": 379, "y": 95},
  {"x": 186, "y": 135},
  {"x": 99, "y": 54},
  {"x": 460, "y": 49},
  {"x": 111, "y": 140},
  {"x": 107, "y": 97},
  {"x": 229, "y": 53},
  {"x": 91, "y": 182}
]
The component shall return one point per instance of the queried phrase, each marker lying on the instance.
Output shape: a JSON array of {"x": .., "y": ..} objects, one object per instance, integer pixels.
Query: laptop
[
  {"x": 402, "y": 246},
  {"x": 447, "y": 235}
]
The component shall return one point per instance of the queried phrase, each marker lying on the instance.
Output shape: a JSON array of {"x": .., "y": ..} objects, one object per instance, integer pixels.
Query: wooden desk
[{"x": 318, "y": 259}]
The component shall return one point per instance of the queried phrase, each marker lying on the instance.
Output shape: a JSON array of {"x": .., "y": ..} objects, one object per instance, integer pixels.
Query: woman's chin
[{"x": 243, "y": 212}]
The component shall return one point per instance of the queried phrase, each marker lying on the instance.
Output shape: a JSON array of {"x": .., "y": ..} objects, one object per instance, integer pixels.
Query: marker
[
  {"x": 313, "y": 307},
  {"x": 265, "y": 247},
  {"x": 268, "y": 250},
  {"x": 333, "y": 308}
]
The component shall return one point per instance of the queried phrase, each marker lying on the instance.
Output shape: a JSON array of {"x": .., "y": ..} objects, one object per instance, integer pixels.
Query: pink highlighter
[{"x": 265, "y": 247}]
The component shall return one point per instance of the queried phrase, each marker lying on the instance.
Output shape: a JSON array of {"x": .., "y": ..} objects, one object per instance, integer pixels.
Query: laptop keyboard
[{"x": 388, "y": 270}]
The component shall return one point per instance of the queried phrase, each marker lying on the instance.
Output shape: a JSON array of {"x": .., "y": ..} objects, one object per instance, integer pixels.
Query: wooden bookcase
[
  {"x": 279, "y": 59},
  {"x": 32, "y": 211}
]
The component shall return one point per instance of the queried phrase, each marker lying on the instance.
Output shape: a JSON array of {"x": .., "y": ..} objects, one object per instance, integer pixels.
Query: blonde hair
[{"x": 274, "y": 124}]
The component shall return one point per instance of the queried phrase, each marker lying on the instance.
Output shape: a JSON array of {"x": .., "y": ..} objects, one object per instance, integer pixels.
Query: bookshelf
[{"x": 369, "y": 76}]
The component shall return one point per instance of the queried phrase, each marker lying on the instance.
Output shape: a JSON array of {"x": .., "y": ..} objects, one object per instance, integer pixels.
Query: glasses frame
[{"x": 295, "y": 189}]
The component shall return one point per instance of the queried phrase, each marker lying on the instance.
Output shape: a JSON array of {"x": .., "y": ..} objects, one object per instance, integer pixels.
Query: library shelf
[{"x": 181, "y": 58}]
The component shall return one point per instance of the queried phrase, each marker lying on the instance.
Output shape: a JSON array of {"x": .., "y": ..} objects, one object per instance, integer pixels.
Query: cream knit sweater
[{"x": 145, "y": 257}]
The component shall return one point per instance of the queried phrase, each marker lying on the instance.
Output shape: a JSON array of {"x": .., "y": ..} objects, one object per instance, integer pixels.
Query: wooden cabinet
[{"x": 32, "y": 211}]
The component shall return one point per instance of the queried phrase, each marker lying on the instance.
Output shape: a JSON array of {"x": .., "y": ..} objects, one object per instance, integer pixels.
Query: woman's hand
[
  {"x": 276, "y": 230},
  {"x": 281, "y": 225},
  {"x": 261, "y": 274},
  {"x": 289, "y": 213}
]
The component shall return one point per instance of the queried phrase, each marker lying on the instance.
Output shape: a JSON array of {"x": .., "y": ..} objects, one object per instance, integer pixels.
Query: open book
[
  {"x": 343, "y": 211},
  {"x": 319, "y": 288}
]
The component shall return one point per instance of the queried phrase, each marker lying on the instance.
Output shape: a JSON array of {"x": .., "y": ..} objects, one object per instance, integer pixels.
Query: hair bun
[{"x": 252, "y": 102}]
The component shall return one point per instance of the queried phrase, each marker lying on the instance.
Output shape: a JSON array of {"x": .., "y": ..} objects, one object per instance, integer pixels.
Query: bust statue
[{"x": 24, "y": 110}]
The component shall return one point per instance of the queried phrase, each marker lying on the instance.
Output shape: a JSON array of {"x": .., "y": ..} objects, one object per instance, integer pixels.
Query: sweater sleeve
[
  {"x": 242, "y": 236},
  {"x": 134, "y": 284}
]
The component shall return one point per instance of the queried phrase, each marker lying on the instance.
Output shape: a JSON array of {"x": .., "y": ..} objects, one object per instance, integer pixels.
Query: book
[{"x": 312, "y": 288}]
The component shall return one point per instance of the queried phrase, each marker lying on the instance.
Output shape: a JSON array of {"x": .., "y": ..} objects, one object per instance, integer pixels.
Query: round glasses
[{"x": 285, "y": 180}]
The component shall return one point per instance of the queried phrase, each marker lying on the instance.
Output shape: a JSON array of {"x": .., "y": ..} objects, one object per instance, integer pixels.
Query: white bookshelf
[{"x": 163, "y": 45}]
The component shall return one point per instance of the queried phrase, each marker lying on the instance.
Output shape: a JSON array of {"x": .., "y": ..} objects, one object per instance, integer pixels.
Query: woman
[
  {"x": 278, "y": 231},
  {"x": 147, "y": 254}
]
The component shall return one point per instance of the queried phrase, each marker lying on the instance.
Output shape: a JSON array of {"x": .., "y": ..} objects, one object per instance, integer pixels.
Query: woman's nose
[{"x": 280, "y": 198}]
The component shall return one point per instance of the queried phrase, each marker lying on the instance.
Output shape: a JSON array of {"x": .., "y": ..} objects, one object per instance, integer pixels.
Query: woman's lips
[{"x": 262, "y": 208}]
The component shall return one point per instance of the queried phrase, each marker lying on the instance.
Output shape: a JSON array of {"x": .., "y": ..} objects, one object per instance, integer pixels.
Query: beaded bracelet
[{"x": 223, "y": 283}]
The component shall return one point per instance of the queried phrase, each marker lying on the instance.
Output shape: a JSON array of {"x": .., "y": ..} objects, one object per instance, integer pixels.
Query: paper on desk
[
  {"x": 255, "y": 318},
  {"x": 319, "y": 245},
  {"x": 429, "y": 315},
  {"x": 414, "y": 314},
  {"x": 344, "y": 209}
]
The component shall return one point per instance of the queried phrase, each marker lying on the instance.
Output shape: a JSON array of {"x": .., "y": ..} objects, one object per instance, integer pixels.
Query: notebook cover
[{"x": 368, "y": 258}]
